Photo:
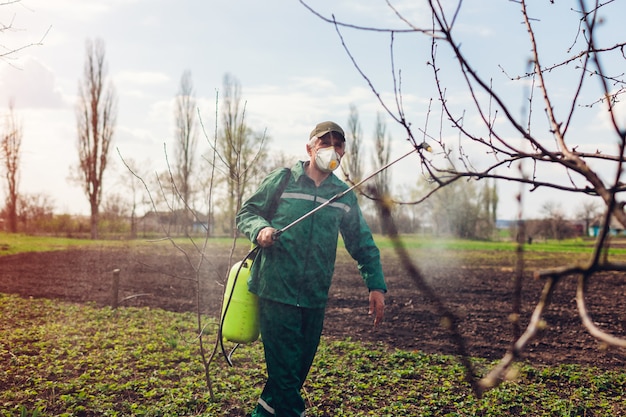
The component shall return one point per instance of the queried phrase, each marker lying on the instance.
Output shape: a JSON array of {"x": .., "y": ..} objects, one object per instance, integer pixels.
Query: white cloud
[
  {"x": 76, "y": 10},
  {"x": 139, "y": 84},
  {"x": 33, "y": 85},
  {"x": 142, "y": 78},
  {"x": 376, "y": 14},
  {"x": 602, "y": 118}
]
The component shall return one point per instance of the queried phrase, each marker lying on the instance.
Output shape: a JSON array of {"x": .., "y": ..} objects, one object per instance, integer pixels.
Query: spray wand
[
  {"x": 336, "y": 197},
  {"x": 252, "y": 254}
]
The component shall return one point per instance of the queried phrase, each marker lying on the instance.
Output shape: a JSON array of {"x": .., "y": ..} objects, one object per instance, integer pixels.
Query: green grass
[
  {"x": 16, "y": 243},
  {"x": 11, "y": 244},
  {"x": 577, "y": 245},
  {"x": 63, "y": 359},
  {"x": 445, "y": 251}
]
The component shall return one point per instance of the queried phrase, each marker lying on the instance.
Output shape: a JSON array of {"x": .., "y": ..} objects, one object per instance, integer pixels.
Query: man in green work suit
[{"x": 292, "y": 274}]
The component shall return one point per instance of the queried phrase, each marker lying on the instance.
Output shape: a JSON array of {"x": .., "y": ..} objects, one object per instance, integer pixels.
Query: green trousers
[{"x": 290, "y": 338}]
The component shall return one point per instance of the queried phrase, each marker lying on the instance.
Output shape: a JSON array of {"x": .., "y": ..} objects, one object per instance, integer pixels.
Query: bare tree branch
[{"x": 500, "y": 145}]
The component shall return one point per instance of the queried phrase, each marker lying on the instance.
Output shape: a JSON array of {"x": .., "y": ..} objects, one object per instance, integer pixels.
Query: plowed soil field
[{"x": 476, "y": 288}]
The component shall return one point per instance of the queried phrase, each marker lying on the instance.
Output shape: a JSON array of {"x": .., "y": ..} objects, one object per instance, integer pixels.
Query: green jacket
[{"x": 298, "y": 268}]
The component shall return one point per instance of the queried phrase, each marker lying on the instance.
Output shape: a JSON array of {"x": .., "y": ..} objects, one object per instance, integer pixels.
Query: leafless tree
[
  {"x": 353, "y": 168},
  {"x": 232, "y": 155},
  {"x": 194, "y": 252},
  {"x": 186, "y": 141},
  {"x": 538, "y": 148},
  {"x": 35, "y": 211},
  {"x": 10, "y": 147},
  {"x": 382, "y": 153},
  {"x": 554, "y": 224},
  {"x": 380, "y": 158},
  {"x": 239, "y": 149},
  {"x": 96, "y": 117},
  {"x": 129, "y": 193},
  {"x": 137, "y": 196},
  {"x": 588, "y": 212}
]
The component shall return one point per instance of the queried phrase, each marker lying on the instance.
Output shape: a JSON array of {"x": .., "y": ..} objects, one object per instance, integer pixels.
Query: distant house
[
  {"x": 505, "y": 224},
  {"x": 615, "y": 227},
  {"x": 172, "y": 221}
]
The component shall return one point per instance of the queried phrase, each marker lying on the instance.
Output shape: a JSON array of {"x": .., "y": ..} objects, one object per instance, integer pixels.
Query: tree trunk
[{"x": 94, "y": 220}]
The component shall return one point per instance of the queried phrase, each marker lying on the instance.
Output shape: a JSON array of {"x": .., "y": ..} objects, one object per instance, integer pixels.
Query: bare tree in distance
[
  {"x": 10, "y": 153},
  {"x": 35, "y": 210},
  {"x": 96, "y": 117},
  {"x": 238, "y": 149},
  {"x": 380, "y": 158},
  {"x": 353, "y": 157},
  {"x": 186, "y": 140},
  {"x": 136, "y": 201},
  {"x": 554, "y": 223},
  {"x": 588, "y": 212},
  {"x": 538, "y": 148}
]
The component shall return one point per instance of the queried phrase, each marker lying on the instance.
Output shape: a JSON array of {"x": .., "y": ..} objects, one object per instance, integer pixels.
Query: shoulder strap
[{"x": 286, "y": 174}]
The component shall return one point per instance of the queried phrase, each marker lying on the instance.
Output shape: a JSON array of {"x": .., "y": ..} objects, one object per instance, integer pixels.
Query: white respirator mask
[{"x": 327, "y": 160}]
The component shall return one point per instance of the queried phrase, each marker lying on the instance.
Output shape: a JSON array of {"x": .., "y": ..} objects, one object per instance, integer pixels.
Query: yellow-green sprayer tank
[{"x": 240, "y": 316}]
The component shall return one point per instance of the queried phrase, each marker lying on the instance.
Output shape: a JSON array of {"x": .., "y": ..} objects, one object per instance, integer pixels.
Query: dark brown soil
[{"x": 480, "y": 296}]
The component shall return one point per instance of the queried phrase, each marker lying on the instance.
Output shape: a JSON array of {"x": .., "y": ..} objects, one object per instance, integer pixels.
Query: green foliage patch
[
  {"x": 13, "y": 243},
  {"x": 63, "y": 359},
  {"x": 577, "y": 245},
  {"x": 17, "y": 243}
]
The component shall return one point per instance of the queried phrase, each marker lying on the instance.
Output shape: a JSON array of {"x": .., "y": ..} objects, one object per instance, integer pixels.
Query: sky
[{"x": 290, "y": 64}]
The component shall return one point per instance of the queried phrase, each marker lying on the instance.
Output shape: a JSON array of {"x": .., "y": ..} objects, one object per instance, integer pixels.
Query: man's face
[{"x": 330, "y": 140}]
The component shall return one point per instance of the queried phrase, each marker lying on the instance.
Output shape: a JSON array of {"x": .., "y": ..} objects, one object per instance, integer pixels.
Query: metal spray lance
[
  {"x": 249, "y": 333},
  {"x": 336, "y": 197}
]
